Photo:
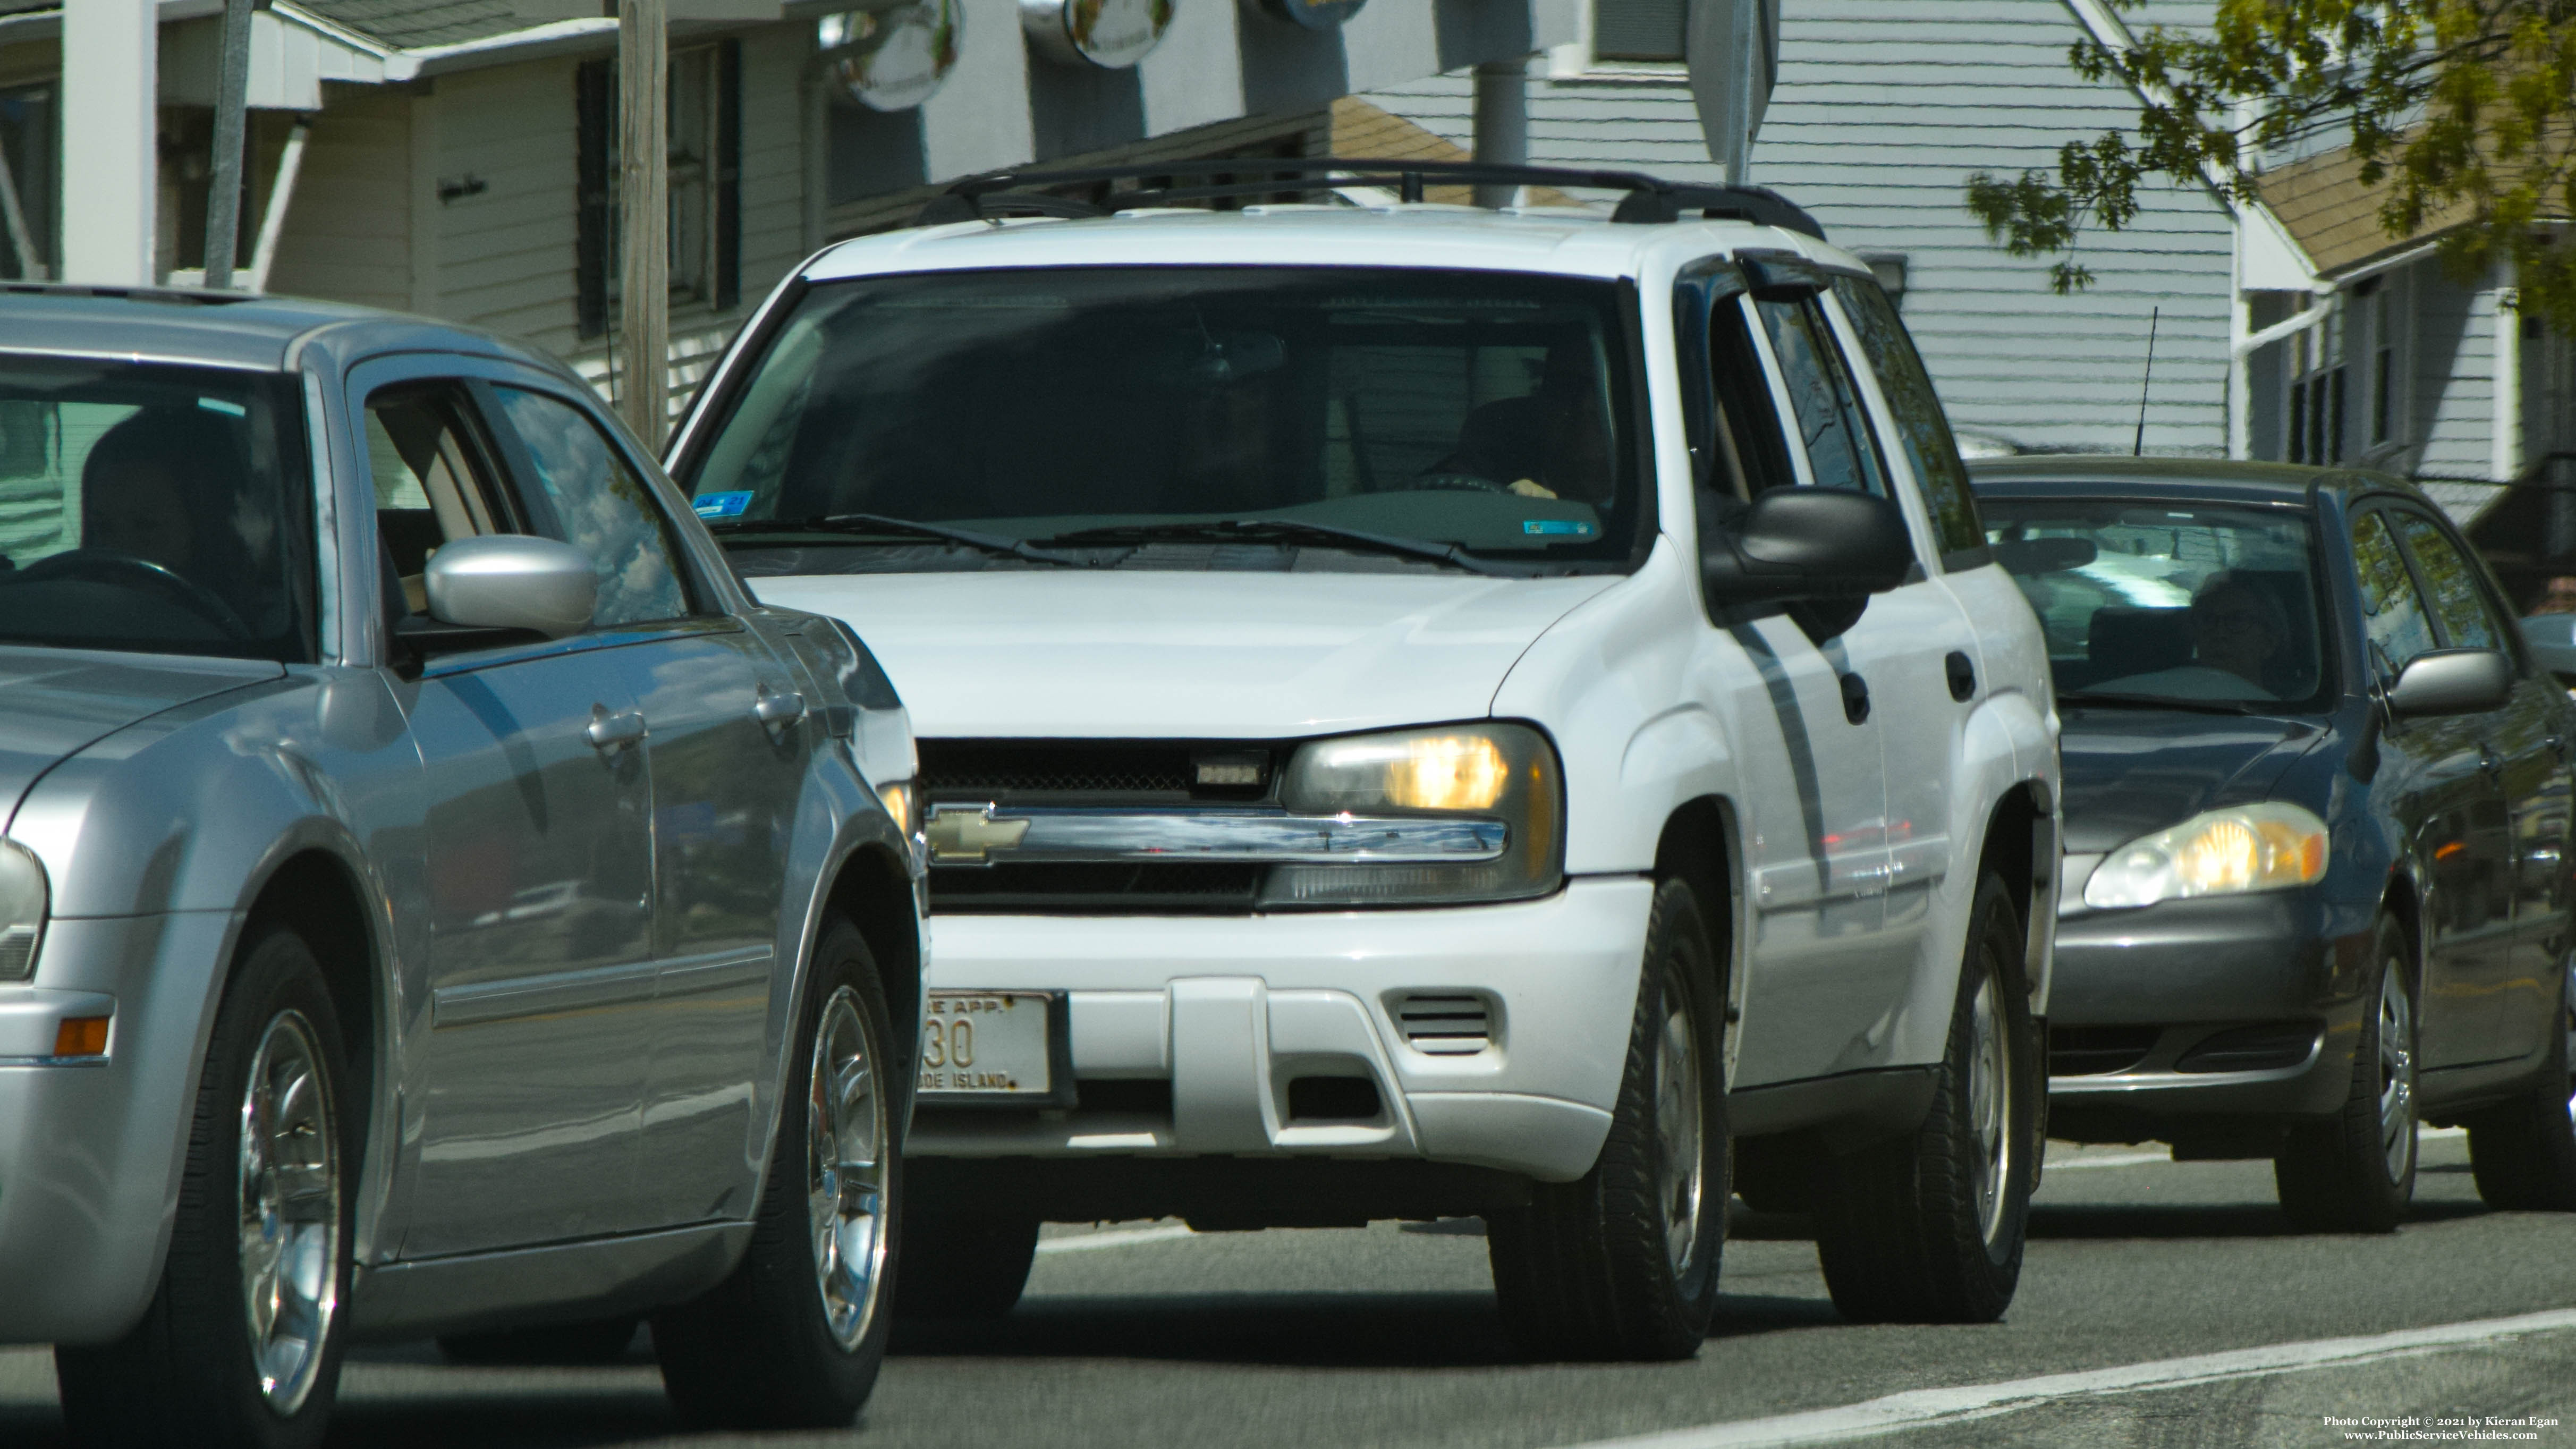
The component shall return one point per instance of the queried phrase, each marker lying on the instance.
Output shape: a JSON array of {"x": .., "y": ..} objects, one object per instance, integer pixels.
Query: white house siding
[
  {"x": 348, "y": 233},
  {"x": 2454, "y": 375},
  {"x": 773, "y": 167},
  {"x": 505, "y": 253},
  {"x": 1883, "y": 109}
]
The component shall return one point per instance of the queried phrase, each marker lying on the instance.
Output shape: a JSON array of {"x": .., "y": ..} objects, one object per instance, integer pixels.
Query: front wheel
[
  {"x": 1929, "y": 1227},
  {"x": 795, "y": 1336},
  {"x": 2524, "y": 1153},
  {"x": 241, "y": 1344},
  {"x": 2355, "y": 1171},
  {"x": 1622, "y": 1263}
]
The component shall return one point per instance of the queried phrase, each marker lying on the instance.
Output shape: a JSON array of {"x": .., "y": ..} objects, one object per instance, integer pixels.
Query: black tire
[
  {"x": 2354, "y": 1172},
  {"x": 598, "y": 1341},
  {"x": 760, "y": 1351},
  {"x": 2523, "y": 1154},
  {"x": 187, "y": 1374},
  {"x": 965, "y": 1268},
  {"x": 1928, "y": 1226},
  {"x": 1588, "y": 1270}
]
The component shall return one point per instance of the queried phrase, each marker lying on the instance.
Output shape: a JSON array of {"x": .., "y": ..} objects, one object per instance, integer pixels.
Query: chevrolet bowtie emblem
[{"x": 965, "y": 834}]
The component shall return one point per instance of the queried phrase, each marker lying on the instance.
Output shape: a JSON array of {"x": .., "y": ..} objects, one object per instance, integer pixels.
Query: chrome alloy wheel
[
  {"x": 290, "y": 1211},
  {"x": 1681, "y": 1167},
  {"x": 845, "y": 1170},
  {"x": 1990, "y": 1077},
  {"x": 2396, "y": 1072}
]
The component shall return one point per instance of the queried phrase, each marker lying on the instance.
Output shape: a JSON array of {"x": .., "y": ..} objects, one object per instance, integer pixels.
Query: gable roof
[{"x": 2321, "y": 201}]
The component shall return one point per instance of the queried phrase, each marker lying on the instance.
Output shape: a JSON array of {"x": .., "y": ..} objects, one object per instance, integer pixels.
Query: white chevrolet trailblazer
[{"x": 1427, "y": 711}]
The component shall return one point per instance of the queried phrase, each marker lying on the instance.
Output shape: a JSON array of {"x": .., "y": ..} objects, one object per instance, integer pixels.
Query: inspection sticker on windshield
[
  {"x": 1555, "y": 525},
  {"x": 721, "y": 505},
  {"x": 993, "y": 1046}
]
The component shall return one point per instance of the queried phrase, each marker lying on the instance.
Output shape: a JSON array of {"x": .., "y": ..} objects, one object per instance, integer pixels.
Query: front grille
[
  {"x": 1446, "y": 1024},
  {"x": 1097, "y": 771},
  {"x": 2269, "y": 1047},
  {"x": 2092, "y": 1051},
  {"x": 1115, "y": 888}
]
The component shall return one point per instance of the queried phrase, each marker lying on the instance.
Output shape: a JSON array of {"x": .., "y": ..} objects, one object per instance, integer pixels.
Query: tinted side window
[
  {"x": 1922, "y": 429},
  {"x": 587, "y": 496},
  {"x": 2467, "y": 621},
  {"x": 1840, "y": 450},
  {"x": 2394, "y": 614}
]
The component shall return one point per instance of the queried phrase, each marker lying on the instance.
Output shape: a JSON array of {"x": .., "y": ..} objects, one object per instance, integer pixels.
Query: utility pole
[
  {"x": 224, "y": 193},
  {"x": 643, "y": 354},
  {"x": 111, "y": 50}
]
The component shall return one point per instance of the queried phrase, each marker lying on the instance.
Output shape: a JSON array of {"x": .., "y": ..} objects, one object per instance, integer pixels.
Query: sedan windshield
[
  {"x": 153, "y": 508},
  {"x": 2167, "y": 603},
  {"x": 1179, "y": 417}
]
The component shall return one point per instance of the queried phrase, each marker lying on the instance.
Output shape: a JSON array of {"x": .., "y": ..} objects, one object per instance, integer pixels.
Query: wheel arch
[
  {"x": 2021, "y": 845},
  {"x": 1698, "y": 846},
  {"x": 875, "y": 891}
]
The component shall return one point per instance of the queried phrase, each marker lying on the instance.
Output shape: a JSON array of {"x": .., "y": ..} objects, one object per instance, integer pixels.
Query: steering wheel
[
  {"x": 125, "y": 570},
  {"x": 1454, "y": 483}
]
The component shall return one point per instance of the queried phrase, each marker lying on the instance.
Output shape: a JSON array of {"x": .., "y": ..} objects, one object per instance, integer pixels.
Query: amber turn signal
[{"x": 81, "y": 1036}]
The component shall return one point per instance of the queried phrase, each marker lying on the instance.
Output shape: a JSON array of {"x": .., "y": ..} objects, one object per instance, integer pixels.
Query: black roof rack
[{"x": 1649, "y": 199}]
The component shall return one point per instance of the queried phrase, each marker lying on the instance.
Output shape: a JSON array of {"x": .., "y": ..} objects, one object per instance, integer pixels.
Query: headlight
[
  {"x": 1499, "y": 772},
  {"x": 2266, "y": 847},
  {"x": 22, "y": 911}
]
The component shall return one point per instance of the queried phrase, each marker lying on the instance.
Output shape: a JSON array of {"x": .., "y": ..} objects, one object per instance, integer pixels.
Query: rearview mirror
[
  {"x": 512, "y": 581},
  {"x": 1807, "y": 544},
  {"x": 2451, "y": 681}
]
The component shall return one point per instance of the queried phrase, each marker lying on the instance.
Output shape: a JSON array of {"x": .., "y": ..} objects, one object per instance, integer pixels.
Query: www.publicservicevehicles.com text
[{"x": 2482, "y": 1428}]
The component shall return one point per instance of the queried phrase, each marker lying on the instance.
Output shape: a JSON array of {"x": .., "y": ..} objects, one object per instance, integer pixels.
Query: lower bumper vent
[
  {"x": 1446, "y": 1025},
  {"x": 2271, "y": 1047},
  {"x": 2093, "y": 1051}
]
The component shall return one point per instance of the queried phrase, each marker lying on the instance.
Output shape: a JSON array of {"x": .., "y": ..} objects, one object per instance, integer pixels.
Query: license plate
[{"x": 1003, "y": 1047}]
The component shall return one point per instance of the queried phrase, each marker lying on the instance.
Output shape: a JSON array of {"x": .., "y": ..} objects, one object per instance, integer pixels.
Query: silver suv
[{"x": 434, "y": 898}]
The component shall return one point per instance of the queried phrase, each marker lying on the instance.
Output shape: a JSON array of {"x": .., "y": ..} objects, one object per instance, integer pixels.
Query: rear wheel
[
  {"x": 794, "y": 1338},
  {"x": 2355, "y": 1171},
  {"x": 241, "y": 1343},
  {"x": 2524, "y": 1153},
  {"x": 965, "y": 1267},
  {"x": 1928, "y": 1227},
  {"x": 1622, "y": 1263}
]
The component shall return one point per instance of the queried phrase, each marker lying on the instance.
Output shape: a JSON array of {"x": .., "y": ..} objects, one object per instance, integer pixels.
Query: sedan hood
[
  {"x": 2133, "y": 771},
  {"x": 56, "y": 702},
  {"x": 1205, "y": 655}
]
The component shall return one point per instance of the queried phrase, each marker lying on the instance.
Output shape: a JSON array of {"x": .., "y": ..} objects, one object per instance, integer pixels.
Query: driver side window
[
  {"x": 433, "y": 482},
  {"x": 2393, "y": 612}
]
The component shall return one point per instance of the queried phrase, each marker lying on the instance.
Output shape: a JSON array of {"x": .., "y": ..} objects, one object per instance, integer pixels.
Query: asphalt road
[{"x": 1133, "y": 1336}]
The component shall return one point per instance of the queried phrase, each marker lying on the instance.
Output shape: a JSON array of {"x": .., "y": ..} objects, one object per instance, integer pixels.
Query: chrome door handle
[
  {"x": 776, "y": 712},
  {"x": 614, "y": 731}
]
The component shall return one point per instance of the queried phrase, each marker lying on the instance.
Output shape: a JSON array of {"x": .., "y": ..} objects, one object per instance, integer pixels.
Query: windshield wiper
[
  {"x": 2160, "y": 701},
  {"x": 879, "y": 523},
  {"x": 1276, "y": 530}
]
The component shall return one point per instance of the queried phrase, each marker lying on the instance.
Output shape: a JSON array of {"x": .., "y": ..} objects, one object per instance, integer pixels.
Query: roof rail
[{"x": 1649, "y": 199}]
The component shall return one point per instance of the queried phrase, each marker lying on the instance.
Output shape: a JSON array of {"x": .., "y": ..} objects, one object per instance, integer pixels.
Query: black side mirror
[
  {"x": 2451, "y": 681},
  {"x": 1819, "y": 546}
]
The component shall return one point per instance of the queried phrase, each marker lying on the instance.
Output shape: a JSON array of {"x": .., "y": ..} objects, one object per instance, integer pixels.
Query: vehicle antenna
[{"x": 2138, "y": 447}]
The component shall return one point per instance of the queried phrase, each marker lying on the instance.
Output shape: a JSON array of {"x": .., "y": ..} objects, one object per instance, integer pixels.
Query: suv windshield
[
  {"x": 153, "y": 508},
  {"x": 2179, "y": 603},
  {"x": 1342, "y": 416}
]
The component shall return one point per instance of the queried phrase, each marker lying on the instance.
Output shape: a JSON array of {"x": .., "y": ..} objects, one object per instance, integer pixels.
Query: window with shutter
[{"x": 1638, "y": 29}]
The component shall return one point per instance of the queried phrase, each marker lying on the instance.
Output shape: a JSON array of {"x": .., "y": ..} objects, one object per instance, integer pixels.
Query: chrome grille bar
[{"x": 1033, "y": 834}]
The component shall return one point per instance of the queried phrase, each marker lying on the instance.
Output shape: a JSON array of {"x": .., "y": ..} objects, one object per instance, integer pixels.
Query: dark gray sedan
[
  {"x": 2317, "y": 884},
  {"x": 434, "y": 897}
]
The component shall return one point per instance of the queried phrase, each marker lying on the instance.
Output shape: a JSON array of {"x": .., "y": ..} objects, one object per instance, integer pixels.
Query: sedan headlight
[
  {"x": 1501, "y": 772},
  {"x": 22, "y": 910},
  {"x": 2265, "y": 847}
]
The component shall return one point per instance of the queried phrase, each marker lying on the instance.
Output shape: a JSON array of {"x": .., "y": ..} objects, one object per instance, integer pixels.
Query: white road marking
[
  {"x": 1921, "y": 1408},
  {"x": 2140, "y": 1159},
  {"x": 1115, "y": 1238}
]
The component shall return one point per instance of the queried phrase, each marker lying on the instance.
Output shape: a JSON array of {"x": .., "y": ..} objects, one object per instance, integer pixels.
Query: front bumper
[
  {"x": 90, "y": 1152},
  {"x": 2226, "y": 1007},
  {"x": 1230, "y": 1010}
]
